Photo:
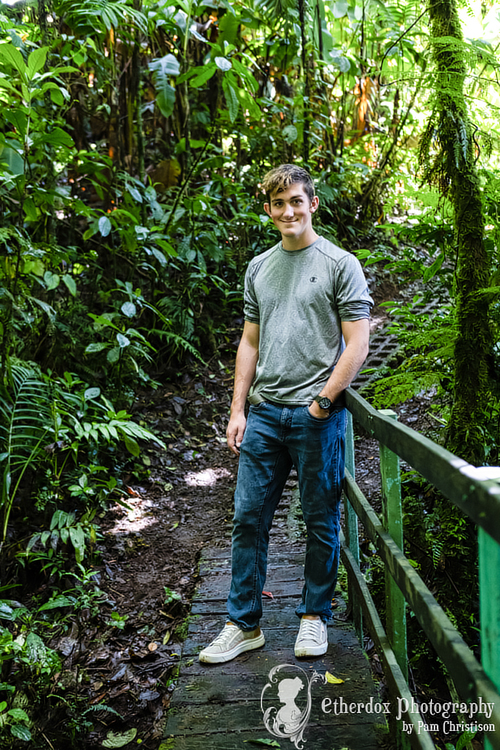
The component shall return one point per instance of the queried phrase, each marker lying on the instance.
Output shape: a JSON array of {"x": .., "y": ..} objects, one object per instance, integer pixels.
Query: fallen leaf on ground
[
  {"x": 119, "y": 739},
  {"x": 333, "y": 680},
  {"x": 132, "y": 492}
]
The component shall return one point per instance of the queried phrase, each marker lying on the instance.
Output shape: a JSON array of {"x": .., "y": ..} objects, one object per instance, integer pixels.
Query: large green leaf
[
  {"x": 228, "y": 28},
  {"x": 8, "y": 85},
  {"x": 114, "y": 355},
  {"x": 231, "y": 98},
  {"x": 339, "y": 9},
  {"x": 18, "y": 714},
  {"x": 168, "y": 65},
  {"x": 204, "y": 76},
  {"x": 36, "y": 60},
  {"x": 132, "y": 445},
  {"x": 51, "y": 279},
  {"x": 59, "y": 519},
  {"x": 21, "y": 732},
  {"x": 56, "y": 137},
  {"x": 123, "y": 341},
  {"x": 12, "y": 56},
  {"x": 104, "y": 226},
  {"x": 70, "y": 283},
  {"x": 91, "y": 393},
  {"x": 159, "y": 256},
  {"x": 290, "y": 133},
  {"x": 55, "y": 92},
  {"x": 163, "y": 68},
  {"x": 77, "y": 536},
  {"x": 6, "y": 612},
  {"x": 11, "y": 159},
  {"x": 129, "y": 309},
  {"x": 30, "y": 209},
  {"x": 223, "y": 63},
  {"x": 248, "y": 102},
  {"x": 58, "y": 601},
  {"x": 95, "y": 346}
]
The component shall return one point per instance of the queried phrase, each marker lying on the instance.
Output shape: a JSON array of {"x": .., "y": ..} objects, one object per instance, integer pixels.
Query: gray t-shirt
[{"x": 299, "y": 299}]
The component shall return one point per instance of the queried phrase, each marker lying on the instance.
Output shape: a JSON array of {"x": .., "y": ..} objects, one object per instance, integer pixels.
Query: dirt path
[{"x": 149, "y": 560}]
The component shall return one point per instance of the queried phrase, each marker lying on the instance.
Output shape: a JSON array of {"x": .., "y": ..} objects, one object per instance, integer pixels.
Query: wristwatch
[{"x": 324, "y": 402}]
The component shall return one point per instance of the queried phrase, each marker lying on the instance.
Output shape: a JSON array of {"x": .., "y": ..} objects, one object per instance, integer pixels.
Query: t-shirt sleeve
[
  {"x": 250, "y": 306},
  {"x": 352, "y": 295}
]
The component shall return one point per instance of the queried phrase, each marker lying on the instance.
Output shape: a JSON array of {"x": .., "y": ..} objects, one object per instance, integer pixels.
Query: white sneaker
[
  {"x": 230, "y": 642},
  {"x": 312, "y": 639}
]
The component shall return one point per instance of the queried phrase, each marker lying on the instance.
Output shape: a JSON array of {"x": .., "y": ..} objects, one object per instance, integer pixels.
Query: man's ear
[
  {"x": 267, "y": 209},
  {"x": 314, "y": 204}
]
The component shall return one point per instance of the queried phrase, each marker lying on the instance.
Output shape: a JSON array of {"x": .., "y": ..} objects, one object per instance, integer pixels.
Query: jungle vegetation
[{"x": 133, "y": 138}]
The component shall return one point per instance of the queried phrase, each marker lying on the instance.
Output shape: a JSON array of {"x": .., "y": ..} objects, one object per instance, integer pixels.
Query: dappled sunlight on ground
[
  {"x": 132, "y": 522},
  {"x": 206, "y": 477}
]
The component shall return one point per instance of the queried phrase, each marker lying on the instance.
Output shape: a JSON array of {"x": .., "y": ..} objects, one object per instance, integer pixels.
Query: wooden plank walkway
[{"x": 221, "y": 707}]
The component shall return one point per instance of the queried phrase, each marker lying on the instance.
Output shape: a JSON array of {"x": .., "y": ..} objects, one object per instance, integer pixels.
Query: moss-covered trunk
[
  {"x": 455, "y": 171},
  {"x": 452, "y": 167}
]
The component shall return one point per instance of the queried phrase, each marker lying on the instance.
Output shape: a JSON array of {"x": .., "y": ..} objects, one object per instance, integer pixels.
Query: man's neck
[{"x": 292, "y": 244}]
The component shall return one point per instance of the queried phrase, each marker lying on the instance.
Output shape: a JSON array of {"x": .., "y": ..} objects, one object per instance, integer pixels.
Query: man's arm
[
  {"x": 246, "y": 363},
  {"x": 356, "y": 336}
]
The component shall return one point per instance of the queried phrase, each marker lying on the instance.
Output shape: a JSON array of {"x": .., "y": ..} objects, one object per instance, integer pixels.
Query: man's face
[{"x": 291, "y": 210}]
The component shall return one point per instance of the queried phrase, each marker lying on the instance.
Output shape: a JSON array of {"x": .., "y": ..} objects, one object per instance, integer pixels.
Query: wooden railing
[{"x": 477, "y": 685}]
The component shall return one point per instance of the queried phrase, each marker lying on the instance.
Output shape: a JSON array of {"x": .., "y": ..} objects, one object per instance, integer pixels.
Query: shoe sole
[
  {"x": 249, "y": 645},
  {"x": 301, "y": 652}
]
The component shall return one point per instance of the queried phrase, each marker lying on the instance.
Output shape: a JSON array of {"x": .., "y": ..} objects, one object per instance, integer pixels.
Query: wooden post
[
  {"x": 489, "y": 603},
  {"x": 392, "y": 519},
  {"x": 351, "y": 529}
]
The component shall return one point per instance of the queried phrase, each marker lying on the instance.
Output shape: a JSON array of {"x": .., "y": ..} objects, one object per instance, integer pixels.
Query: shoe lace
[
  {"x": 310, "y": 629},
  {"x": 223, "y": 636}
]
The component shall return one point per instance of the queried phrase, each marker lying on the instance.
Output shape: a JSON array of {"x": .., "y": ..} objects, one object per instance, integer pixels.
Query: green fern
[
  {"x": 24, "y": 423},
  {"x": 177, "y": 342}
]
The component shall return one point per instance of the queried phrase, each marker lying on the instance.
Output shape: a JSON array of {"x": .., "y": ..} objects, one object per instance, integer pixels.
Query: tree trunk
[{"x": 455, "y": 172}]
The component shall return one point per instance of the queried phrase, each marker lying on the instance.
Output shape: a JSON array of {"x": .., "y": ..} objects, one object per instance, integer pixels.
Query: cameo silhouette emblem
[{"x": 294, "y": 693}]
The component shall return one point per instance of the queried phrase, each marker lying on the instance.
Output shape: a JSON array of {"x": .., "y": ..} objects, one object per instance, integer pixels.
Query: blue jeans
[{"x": 277, "y": 437}]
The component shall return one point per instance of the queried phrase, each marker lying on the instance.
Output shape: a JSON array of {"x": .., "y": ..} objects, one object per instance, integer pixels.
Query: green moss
[{"x": 453, "y": 170}]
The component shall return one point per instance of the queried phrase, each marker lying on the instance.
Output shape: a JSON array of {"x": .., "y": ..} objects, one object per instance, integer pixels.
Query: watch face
[{"x": 324, "y": 403}]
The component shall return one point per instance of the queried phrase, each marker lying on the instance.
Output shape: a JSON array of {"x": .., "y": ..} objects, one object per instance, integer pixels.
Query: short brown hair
[{"x": 285, "y": 175}]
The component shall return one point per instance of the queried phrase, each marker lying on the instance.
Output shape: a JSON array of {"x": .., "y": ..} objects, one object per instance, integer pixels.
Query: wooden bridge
[{"x": 235, "y": 705}]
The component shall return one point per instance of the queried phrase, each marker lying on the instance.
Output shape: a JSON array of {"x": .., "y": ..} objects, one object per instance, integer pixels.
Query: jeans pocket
[
  {"x": 318, "y": 419},
  {"x": 258, "y": 407}
]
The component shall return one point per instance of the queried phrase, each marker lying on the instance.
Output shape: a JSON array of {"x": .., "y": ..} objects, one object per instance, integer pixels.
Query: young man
[{"x": 304, "y": 298}]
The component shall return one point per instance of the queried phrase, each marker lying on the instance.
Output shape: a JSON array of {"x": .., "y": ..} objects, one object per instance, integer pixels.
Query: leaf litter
[{"x": 151, "y": 544}]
